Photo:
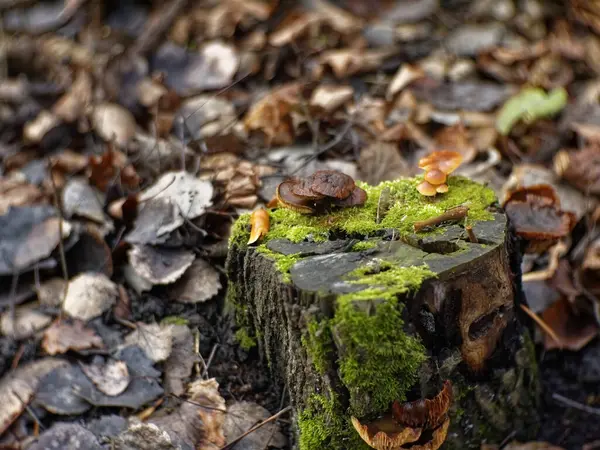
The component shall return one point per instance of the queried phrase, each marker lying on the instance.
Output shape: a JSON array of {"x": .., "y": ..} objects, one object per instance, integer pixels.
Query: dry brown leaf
[
  {"x": 72, "y": 105},
  {"x": 51, "y": 292},
  {"x": 179, "y": 364},
  {"x": 271, "y": 115},
  {"x": 64, "y": 335},
  {"x": 109, "y": 168},
  {"x": 580, "y": 167},
  {"x": 328, "y": 98},
  {"x": 41, "y": 241},
  {"x": 351, "y": 61},
  {"x": 16, "y": 191},
  {"x": 34, "y": 131},
  {"x": 259, "y": 222},
  {"x": 160, "y": 265},
  {"x": 405, "y": 75},
  {"x": 575, "y": 331},
  {"x": 456, "y": 138},
  {"x": 382, "y": 161},
  {"x": 89, "y": 295}
]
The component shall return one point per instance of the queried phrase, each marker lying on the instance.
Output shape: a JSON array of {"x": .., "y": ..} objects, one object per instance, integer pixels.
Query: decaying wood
[{"x": 467, "y": 318}]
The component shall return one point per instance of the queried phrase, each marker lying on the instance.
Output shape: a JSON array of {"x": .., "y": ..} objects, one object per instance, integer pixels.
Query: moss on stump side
[{"x": 348, "y": 346}]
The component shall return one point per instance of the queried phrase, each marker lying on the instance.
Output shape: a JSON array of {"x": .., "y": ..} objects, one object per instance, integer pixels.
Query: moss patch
[
  {"x": 244, "y": 339},
  {"x": 408, "y": 206},
  {"x": 363, "y": 245},
  {"x": 318, "y": 344},
  {"x": 283, "y": 263}
]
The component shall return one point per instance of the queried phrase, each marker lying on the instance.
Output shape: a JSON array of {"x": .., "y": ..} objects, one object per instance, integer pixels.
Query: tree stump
[{"x": 353, "y": 310}]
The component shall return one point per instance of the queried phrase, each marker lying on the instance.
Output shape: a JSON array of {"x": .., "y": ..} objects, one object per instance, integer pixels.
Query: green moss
[
  {"x": 174, "y": 320},
  {"x": 244, "y": 339},
  {"x": 318, "y": 344},
  {"x": 283, "y": 263},
  {"x": 323, "y": 425},
  {"x": 408, "y": 206},
  {"x": 364, "y": 245}
]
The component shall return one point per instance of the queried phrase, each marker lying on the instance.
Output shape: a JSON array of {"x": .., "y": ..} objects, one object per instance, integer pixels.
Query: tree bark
[{"x": 457, "y": 320}]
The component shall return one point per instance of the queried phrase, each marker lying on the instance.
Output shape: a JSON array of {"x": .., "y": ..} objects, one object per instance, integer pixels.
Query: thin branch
[
  {"x": 573, "y": 404},
  {"x": 543, "y": 325},
  {"x": 230, "y": 445}
]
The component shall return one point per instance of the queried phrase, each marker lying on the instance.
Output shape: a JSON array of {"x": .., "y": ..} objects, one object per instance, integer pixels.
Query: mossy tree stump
[{"x": 352, "y": 313}]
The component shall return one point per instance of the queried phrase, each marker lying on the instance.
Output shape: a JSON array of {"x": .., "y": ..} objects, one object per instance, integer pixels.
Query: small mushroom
[
  {"x": 303, "y": 189},
  {"x": 331, "y": 183},
  {"x": 357, "y": 198},
  {"x": 435, "y": 177},
  {"x": 446, "y": 161},
  {"x": 288, "y": 199},
  {"x": 425, "y": 413},
  {"x": 441, "y": 189},
  {"x": 426, "y": 188},
  {"x": 385, "y": 434},
  {"x": 437, "y": 439}
]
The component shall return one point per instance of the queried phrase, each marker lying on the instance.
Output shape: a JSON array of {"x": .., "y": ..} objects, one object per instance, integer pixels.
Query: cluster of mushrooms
[
  {"x": 319, "y": 192},
  {"x": 419, "y": 425},
  {"x": 437, "y": 166}
]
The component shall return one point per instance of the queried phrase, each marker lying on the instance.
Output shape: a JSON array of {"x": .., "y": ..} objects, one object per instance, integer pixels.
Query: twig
[
  {"x": 472, "y": 238},
  {"x": 573, "y": 404},
  {"x": 273, "y": 429},
  {"x": 453, "y": 214},
  {"x": 157, "y": 25},
  {"x": 210, "y": 358},
  {"x": 231, "y": 444},
  {"x": 61, "y": 247},
  {"x": 543, "y": 325}
]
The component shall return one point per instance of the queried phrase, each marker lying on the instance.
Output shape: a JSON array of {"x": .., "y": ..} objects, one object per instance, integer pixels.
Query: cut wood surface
[{"x": 354, "y": 314}]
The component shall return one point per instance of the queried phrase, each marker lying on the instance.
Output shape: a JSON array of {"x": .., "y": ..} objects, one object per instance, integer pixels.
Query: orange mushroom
[
  {"x": 426, "y": 413},
  {"x": 437, "y": 165},
  {"x": 386, "y": 434}
]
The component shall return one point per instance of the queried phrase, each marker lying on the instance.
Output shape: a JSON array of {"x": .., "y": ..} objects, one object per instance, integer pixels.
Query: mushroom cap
[
  {"x": 438, "y": 438},
  {"x": 302, "y": 188},
  {"x": 357, "y": 198},
  {"x": 545, "y": 192},
  {"x": 435, "y": 176},
  {"x": 426, "y": 413},
  {"x": 385, "y": 434},
  {"x": 426, "y": 188},
  {"x": 442, "y": 188},
  {"x": 331, "y": 183},
  {"x": 444, "y": 160},
  {"x": 289, "y": 200}
]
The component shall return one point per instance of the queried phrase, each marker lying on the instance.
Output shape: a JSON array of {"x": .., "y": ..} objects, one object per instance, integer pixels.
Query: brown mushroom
[
  {"x": 445, "y": 161},
  {"x": 303, "y": 189},
  {"x": 435, "y": 177},
  {"x": 288, "y": 199},
  {"x": 385, "y": 434},
  {"x": 357, "y": 198},
  {"x": 331, "y": 183},
  {"x": 437, "y": 439},
  {"x": 426, "y": 413}
]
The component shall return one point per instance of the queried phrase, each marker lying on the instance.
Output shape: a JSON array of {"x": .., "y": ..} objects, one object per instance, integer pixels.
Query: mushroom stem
[
  {"x": 471, "y": 234},
  {"x": 453, "y": 214}
]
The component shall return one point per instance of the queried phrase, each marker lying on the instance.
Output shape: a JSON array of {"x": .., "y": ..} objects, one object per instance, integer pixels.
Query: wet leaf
[
  {"x": 64, "y": 335},
  {"x": 81, "y": 199},
  {"x": 259, "y": 223}
]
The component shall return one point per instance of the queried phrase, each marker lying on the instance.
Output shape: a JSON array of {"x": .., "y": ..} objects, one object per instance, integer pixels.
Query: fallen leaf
[
  {"x": 179, "y": 364},
  {"x": 529, "y": 105},
  {"x": 154, "y": 339},
  {"x": 51, "y": 292},
  {"x": 241, "y": 416},
  {"x": 259, "y": 223},
  {"x": 188, "y": 72},
  {"x": 72, "y": 105},
  {"x": 41, "y": 241},
  {"x": 580, "y": 167},
  {"x": 328, "y": 98},
  {"x": 19, "y": 385},
  {"x": 110, "y": 378},
  {"x": 469, "y": 40},
  {"x": 199, "y": 283},
  {"x": 189, "y": 194},
  {"x": 81, "y": 199},
  {"x": 346, "y": 62},
  {"x": 144, "y": 436},
  {"x": 381, "y": 161},
  {"x": 26, "y": 322},
  {"x": 113, "y": 123},
  {"x": 574, "y": 330},
  {"x": 404, "y": 77},
  {"x": 90, "y": 253},
  {"x": 64, "y": 335},
  {"x": 17, "y": 191},
  {"x": 157, "y": 218},
  {"x": 109, "y": 168},
  {"x": 66, "y": 436},
  {"x": 158, "y": 265},
  {"x": 89, "y": 295},
  {"x": 35, "y": 130},
  {"x": 456, "y": 138}
]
